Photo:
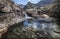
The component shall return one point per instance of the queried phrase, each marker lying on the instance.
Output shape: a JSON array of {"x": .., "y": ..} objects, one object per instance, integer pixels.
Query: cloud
[
  {"x": 29, "y": 0},
  {"x": 33, "y": 1}
]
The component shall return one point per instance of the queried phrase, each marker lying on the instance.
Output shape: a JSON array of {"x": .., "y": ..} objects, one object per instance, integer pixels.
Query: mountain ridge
[{"x": 39, "y": 4}]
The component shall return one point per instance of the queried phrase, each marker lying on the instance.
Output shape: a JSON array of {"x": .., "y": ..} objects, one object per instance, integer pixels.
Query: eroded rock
[{"x": 9, "y": 15}]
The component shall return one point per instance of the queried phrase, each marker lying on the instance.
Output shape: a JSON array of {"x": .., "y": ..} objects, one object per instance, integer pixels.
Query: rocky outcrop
[
  {"x": 10, "y": 14},
  {"x": 8, "y": 6}
]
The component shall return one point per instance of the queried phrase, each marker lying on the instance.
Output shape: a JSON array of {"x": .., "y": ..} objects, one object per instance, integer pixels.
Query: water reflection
[
  {"x": 43, "y": 25},
  {"x": 39, "y": 23}
]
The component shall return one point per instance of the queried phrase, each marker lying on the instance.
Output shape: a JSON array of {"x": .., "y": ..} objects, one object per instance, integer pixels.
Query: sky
[{"x": 24, "y": 2}]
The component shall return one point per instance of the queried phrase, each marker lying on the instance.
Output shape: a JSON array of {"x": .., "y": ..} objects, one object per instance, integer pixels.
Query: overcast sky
[{"x": 25, "y": 1}]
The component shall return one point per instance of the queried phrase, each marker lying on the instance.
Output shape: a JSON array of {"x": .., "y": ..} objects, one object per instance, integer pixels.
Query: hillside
[
  {"x": 30, "y": 5},
  {"x": 44, "y": 2},
  {"x": 9, "y": 15}
]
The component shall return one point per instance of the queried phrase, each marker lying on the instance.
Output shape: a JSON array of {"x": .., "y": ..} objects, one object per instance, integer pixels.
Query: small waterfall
[
  {"x": 26, "y": 23},
  {"x": 26, "y": 16}
]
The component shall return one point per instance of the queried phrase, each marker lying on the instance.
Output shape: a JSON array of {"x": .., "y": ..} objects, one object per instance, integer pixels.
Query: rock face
[
  {"x": 8, "y": 6},
  {"x": 10, "y": 14},
  {"x": 5, "y": 5},
  {"x": 30, "y": 6}
]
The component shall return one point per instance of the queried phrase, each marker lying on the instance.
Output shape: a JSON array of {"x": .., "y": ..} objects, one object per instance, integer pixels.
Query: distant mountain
[
  {"x": 30, "y": 5},
  {"x": 21, "y": 6},
  {"x": 44, "y": 2}
]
